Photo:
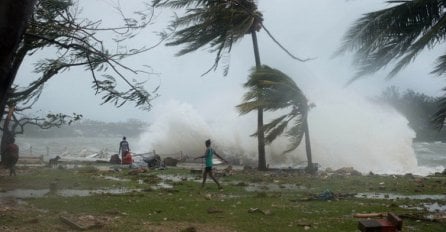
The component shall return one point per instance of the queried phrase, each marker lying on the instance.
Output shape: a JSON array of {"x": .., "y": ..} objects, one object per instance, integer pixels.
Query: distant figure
[
  {"x": 208, "y": 155},
  {"x": 123, "y": 147},
  {"x": 127, "y": 158},
  {"x": 53, "y": 162},
  {"x": 11, "y": 156}
]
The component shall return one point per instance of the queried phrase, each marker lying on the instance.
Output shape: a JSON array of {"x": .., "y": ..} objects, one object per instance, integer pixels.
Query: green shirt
[{"x": 208, "y": 157}]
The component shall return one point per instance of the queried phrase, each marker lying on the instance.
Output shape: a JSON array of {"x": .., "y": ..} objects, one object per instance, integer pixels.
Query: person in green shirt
[{"x": 208, "y": 156}]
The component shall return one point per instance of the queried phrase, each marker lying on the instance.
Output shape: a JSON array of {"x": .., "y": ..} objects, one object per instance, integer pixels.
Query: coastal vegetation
[
  {"x": 419, "y": 109},
  {"x": 395, "y": 36}
]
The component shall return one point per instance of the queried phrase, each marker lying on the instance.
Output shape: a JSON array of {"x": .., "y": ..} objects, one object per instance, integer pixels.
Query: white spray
[{"x": 344, "y": 133}]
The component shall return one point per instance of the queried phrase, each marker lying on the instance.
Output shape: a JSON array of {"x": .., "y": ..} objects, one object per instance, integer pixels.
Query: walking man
[{"x": 208, "y": 155}]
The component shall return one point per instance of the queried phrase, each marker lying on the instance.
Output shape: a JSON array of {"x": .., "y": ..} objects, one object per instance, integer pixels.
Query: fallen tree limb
[{"x": 369, "y": 215}]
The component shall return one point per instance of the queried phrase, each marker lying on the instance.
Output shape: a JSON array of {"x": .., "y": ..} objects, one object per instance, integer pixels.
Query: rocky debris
[
  {"x": 348, "y": 171},
  {"x": 169, "y": 161},
  {"x": 257, "y": 210},
  {"x": 85, "y": 222}
]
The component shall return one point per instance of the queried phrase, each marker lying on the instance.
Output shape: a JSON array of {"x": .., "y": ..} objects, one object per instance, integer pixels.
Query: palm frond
[
  {"x": 211, "y": 23},
  {"x": 440, "y": 116},
  {"x": 247, "y": 107},
  {"x": 273, "y": 90},
  {"x": 295, "y": 135},
  {"x": 397, "y": 33},
  {"x": 275, "y": 128},
  {"x": 440, "y": 67}
]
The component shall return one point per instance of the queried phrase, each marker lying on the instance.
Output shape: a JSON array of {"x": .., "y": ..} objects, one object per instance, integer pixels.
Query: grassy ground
[{"x": 250, "y": 201}]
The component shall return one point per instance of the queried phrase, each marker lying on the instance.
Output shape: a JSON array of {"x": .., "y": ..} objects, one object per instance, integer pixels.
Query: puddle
[
  {"x": 166, "y": 181},
  {"x": 161, "y": 185},
  {"x": 33, "y": 193},
  {"x": 435, "y": 208},
  {"x": 176, "y": 178},
  {"x": 264, "y": 187},
  {"x": 392, "y": 196},
  {"x": 115, "y": 178}
]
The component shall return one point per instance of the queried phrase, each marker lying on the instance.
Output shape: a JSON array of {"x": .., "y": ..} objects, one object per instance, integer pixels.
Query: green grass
[{"x": 188, "y": 205}]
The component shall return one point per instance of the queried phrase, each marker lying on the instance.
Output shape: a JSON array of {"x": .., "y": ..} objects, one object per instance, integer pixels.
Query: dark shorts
[{"x": 208, "y": 169}]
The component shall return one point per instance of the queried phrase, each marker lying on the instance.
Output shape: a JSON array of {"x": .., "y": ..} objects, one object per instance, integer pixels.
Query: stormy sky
[{"x": 308, "y": 29}]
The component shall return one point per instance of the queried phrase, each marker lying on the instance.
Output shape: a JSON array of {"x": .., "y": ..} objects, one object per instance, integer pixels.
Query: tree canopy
[
  {"x": 277, "y": 92},
  {"x": 79, "y": 42},
  {"x": 214, "y": 23},
  {"x": 396, "y": 35}
]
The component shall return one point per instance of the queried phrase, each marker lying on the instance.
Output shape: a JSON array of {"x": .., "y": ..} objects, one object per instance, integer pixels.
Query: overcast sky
[
  {"x": 306, "y": 28},
  {"x": 346, "y": 128}
]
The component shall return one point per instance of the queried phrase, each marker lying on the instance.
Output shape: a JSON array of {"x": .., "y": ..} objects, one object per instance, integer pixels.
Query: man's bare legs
[{"x": 209, "y": 172}]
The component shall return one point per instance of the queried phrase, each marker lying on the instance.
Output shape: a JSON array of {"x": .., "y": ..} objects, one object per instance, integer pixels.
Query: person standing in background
[{"x": 124, "y": 147}]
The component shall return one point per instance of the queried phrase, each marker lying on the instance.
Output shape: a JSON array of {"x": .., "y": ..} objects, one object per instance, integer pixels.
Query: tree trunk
[
  {"x": 310, "y": 166},
  {"x": 7, "y": 134},
  {"x": 13, "y": 17},
  {"x": 260, "y": 131}
]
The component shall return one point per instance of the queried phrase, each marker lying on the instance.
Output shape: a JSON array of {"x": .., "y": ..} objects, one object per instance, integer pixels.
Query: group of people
[{"x": 126, "y": 157}]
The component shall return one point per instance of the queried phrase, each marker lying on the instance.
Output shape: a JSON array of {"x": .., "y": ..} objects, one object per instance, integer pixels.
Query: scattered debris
[
  {"x": 392, "y": 223},
  {"x": 326, "y": 196},
  {"x": 82, "y": 222},
  {"x": 257, "y": 210},
  {"x": 214, "y": 210},
  {"x": 137, "y": 171},
  {"x": 169, "y": 161},
  {"x": 348, "y": 171},
  {"x": 369, "y": 215}
]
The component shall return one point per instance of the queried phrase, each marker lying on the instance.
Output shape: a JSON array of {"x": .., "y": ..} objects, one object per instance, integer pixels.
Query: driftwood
[
  {"x": 369, "y": 215},
  {"x": 77, "y": 226},
  {"x": 71, "y": 223}
]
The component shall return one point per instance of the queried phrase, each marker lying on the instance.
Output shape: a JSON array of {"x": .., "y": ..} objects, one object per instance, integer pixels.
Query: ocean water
[{"x": 431, "y": 157}]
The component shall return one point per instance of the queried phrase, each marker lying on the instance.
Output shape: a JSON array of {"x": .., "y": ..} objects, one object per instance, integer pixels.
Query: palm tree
[
  {"x": 398, "y": 34},
  {"x": 278, "y": 91},
  {"x": 219, "y": 24}
]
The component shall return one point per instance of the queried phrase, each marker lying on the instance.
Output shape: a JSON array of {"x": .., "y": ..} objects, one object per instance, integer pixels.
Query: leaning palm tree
[
  {"x": 398, "y": 34},
  {"x": 273, "y": 90},
  {"x": 219, "y": 24}
]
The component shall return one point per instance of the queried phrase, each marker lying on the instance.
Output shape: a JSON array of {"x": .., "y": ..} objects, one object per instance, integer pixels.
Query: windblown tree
[
  {"x": 272, "y": 90},
  {"x": 13, "y": 17},
  {"x": 397, "y": 35},
  {"x": 56, "y": 26},
  {"x": 218, "y": 24}
]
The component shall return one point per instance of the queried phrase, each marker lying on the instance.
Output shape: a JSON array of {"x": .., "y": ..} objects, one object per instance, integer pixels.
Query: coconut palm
[
  {"x": 218, "y": 24},
  {"x": 398, "y": 34},
  {"x": 278, "y": 92},
  {"x": 215, "y": 23}
]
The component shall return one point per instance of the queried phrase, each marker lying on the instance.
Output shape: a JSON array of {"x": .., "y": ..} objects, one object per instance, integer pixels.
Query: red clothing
[{"x": 127, "y": 159}]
